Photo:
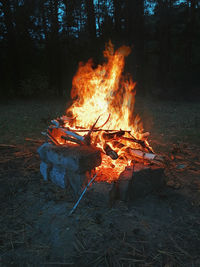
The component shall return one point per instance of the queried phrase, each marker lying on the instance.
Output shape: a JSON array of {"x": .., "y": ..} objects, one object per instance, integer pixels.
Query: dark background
[{"x": 42, "y": 41}]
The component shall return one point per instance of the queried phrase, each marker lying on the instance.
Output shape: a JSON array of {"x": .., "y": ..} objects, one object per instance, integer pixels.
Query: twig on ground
[
  {"x": 75, "y": 206},
  {"x": 58, "y": 263},
  {"x": 179, "y": 248},
  {"x": 34, "y": 140},
  {"x": 7, "y": 146}
]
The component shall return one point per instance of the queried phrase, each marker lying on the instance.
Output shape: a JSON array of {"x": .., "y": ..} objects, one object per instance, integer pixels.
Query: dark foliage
[{"x": 42, "y": 41}]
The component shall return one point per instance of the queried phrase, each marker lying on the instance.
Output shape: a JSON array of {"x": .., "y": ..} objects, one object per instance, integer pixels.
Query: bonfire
[{"x": 102, "y": 115}]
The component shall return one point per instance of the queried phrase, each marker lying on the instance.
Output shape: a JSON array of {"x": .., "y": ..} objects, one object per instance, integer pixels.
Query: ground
[{"x": 161, "y": 229}]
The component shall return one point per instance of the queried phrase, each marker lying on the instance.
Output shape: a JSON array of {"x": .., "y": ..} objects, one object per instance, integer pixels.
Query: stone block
[
  {"x": 68, "y": 164},
  {"x": 137, "y": 182}
]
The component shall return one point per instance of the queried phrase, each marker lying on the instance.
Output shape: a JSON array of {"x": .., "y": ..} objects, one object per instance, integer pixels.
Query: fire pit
[
  {"x": 68, "y": 164},
  {"x": 100, "y": 134}
]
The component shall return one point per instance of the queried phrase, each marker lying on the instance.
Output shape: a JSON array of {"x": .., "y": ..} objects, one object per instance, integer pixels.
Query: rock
[{"x": 72, "y": 157}]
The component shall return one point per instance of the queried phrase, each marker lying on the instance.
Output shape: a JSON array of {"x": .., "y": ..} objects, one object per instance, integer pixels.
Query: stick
[
  {"x": 7, "y": 146},
  {"x": 72, "y": 133},
  {"x": 112, "y": 135},
  {"x": 94, "y": 130},
  {"x": 104, "y": 122},
  {"x": 153, "y": 158},
  {"x": 52, "y": 138},
  {"x": 87, "y": 138},
  {"x": 55, "y": 122},
  {"x": 110, "y": 152},
  {"x": 75, "y": 206},
  {"x": 74, "y": 140},
  {"x": 34, "y": 140},
  {"x": 140, "y": 142},
  {"x": 140, "y": 154}
]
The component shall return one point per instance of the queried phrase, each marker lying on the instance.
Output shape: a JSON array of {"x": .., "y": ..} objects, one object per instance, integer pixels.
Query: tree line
[{"x": 42, "y": 41}]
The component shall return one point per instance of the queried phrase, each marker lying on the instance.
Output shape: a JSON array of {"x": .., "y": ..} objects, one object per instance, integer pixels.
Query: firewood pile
[{"x": 113, "y": 143}]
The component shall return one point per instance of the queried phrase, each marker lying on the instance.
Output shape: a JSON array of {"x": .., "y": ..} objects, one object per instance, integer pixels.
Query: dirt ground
[{"x": 161, "y": 229}]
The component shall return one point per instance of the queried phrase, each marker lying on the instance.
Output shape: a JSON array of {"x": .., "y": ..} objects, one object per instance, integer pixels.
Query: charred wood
[
  {"x": 109, "y": 136},
  {"x": 140, "y": 142},
  {"x": 110, "y": 152}
]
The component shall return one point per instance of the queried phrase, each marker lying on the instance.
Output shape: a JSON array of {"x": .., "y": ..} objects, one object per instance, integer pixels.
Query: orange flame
[{"x": 103, "y": 91}]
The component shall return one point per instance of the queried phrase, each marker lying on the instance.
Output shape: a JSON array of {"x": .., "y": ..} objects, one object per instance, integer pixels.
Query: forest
[{"x": 42, "y": 42}]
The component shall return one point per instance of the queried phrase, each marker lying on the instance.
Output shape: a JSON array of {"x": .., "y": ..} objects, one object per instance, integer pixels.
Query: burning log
[
  {"x": 151, "y": 157},
  {"x": 73, "y": 134},
  {"x": 76, "y": 137},
  {"x": 87, "y": 138},
  {"x": 118, "y": 135},
  {"x": 65, "y": 134},
  {"x": 110, "y": 152},
  {"x": 146, "y": 156},
  {"x": 54, "y": 141},
  {"x": 118, "y": 144},
  {"x": 68, "y": 138},
  {"x": 113, "y": 135},
  {"x": 140, "y": 142}
]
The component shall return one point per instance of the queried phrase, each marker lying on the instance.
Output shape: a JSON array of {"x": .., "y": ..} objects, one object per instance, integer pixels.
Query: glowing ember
[{"x": 105, "y": 96}]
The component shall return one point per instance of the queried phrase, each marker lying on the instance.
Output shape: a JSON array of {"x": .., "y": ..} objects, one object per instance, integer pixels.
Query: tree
[
  {"x": 13, "y": 66},
  {"x": 91, "y": 20},
  {"x": 190, "y": 31},
  {"x": 164, "y": 9},
  {"x": 135, "y": 34},
  {"x": 54, "y": 49}
]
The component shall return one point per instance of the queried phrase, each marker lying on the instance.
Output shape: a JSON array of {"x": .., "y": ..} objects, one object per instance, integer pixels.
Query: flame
[{"x": 104, "y": 92}]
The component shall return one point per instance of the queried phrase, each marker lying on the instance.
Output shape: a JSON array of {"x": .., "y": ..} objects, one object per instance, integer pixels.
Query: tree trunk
[
  {"x": 135, "y": 33},
  {"x": 54, "y": 50},
  {"x": 164, "y": 42},
  {"x": 140, "y": 41},
  {"x": 91, "y": 20},
  {"x": 44, "y": 21},
  {"x": 117, "y": 16}
]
